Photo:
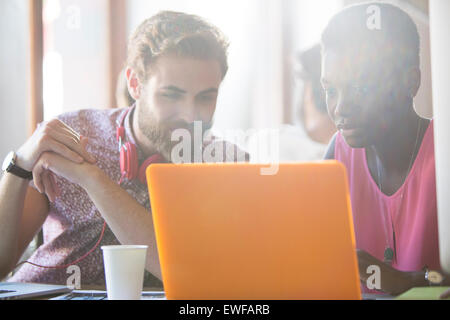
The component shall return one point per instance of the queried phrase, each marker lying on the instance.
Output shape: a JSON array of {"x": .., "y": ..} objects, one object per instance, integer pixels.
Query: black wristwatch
[{"x": 9, "y": 165}]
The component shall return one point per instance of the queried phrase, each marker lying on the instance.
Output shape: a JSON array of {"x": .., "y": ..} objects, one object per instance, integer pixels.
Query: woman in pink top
[{"x": 371, "y": 74}]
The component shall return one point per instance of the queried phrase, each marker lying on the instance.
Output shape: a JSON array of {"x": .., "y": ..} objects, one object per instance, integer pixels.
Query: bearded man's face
[{"x": 178, "y": 92}]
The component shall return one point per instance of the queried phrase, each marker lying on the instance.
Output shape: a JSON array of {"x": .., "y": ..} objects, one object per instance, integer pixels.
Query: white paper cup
[{"x": 124, "y": 271}]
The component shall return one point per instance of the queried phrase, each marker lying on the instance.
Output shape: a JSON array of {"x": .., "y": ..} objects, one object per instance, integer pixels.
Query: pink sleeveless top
[{"x": 414, "y": 218}]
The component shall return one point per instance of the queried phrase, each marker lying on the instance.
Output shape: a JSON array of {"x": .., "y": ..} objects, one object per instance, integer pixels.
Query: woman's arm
[{"x": 392, "y": 281}]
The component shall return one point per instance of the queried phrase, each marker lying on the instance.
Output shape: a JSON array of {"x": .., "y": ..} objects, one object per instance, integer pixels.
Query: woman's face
[{"x": 363, "y": 95}]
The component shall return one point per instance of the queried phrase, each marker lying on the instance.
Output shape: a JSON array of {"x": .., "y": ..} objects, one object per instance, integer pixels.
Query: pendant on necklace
[{"x": 388, "y": 255}]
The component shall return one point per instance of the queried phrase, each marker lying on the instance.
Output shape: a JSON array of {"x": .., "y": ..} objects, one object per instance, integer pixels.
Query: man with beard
[{"x": 176, "y": 64}]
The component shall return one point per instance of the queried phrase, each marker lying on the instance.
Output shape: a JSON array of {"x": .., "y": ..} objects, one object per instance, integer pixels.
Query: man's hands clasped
[{"x": 54, "y": 148}]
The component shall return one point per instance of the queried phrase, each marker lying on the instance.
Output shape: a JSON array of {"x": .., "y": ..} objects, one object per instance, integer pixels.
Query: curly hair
[{"x": 176, "y": 33}]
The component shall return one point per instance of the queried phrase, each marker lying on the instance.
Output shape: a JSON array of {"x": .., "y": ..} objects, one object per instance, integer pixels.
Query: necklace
[{"x": 389, "y": 252}]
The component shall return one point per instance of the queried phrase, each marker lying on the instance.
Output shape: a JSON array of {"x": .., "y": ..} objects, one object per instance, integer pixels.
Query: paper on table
[{"x": 423, "y": 293}]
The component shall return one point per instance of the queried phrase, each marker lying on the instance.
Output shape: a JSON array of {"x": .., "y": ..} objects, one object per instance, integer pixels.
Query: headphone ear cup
[
  {"x": 129, "y": 166},
  {"x": 132, "y": 161},
  {"x": 156, "y": 158},
  {"x": 128, "y": 161},
  {"x": 123, "y": 162}
]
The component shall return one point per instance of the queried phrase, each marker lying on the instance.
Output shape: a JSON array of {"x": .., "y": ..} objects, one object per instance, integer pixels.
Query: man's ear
[{"x": 134, "y": 85}]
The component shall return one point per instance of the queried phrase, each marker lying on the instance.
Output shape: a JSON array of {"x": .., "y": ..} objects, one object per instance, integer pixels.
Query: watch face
[
  {"x": 435, "y": 277},
  {"x": 8, "y": 160}
]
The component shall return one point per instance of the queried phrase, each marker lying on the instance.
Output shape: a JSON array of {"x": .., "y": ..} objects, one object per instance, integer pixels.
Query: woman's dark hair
[{"x": 396, "y": 39}]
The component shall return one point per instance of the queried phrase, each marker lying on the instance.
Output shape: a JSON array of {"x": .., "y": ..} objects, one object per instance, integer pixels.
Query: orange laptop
[{"x": 224, "y": 231}]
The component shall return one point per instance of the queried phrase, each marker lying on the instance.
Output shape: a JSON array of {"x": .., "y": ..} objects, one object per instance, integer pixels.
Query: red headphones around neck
[{"x": 129, "y": 163}]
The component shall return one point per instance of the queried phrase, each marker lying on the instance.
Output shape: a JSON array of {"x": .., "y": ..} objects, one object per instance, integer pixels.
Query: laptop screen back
[{"x": 224, "y": 231}]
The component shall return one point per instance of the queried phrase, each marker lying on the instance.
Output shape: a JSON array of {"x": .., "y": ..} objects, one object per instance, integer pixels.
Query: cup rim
[{"x": 124, "y": 247}]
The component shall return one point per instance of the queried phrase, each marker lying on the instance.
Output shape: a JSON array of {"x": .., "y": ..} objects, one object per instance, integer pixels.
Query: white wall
[
  {"x": 14, "y": 66},
  {"x": 440, "y": 60},
  {"x": 76, "y": 60}
]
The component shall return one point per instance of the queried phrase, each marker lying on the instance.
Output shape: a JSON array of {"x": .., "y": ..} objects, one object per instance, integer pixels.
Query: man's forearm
[
  {"x": 12, "y": 197},
  {"x": 130, "y": 222}
]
